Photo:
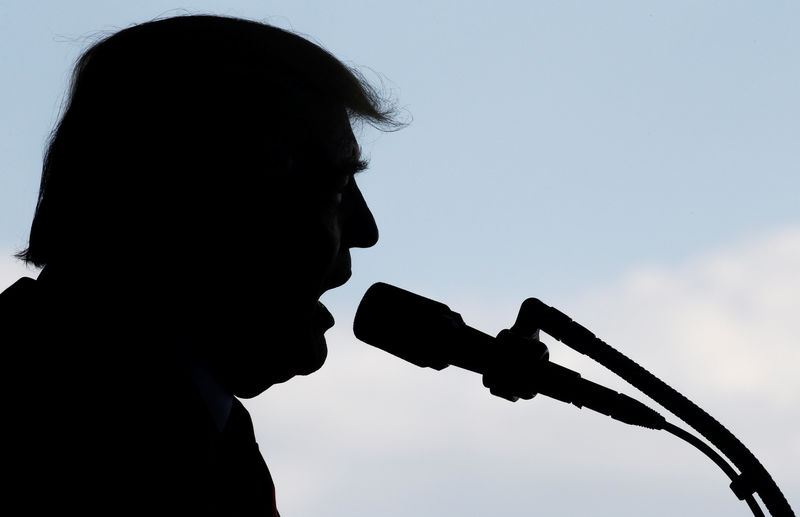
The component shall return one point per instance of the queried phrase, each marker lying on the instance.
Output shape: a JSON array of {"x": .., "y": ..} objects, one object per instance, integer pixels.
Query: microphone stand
[
  {"x": 516, "y": 365},
  {"x": 535, "y": 316}
]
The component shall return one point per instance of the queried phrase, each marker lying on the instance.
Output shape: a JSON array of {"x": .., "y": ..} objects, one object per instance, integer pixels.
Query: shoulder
[
  {"x": 17, "y": 303},
  {"x": 20, "y": 292}
]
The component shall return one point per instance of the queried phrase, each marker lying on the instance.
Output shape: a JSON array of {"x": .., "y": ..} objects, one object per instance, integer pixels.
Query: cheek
[
  {"x": 320, "y": 230},
  {"x": 297, "y": 239},
  {"x": 305, "y": 251}
]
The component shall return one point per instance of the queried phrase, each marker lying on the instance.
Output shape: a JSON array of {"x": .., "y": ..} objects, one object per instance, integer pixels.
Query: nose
[{"x": 361, "y": 228}]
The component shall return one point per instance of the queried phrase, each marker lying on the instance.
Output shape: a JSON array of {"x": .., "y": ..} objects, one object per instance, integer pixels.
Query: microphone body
[
  {"x": 428, "y": 334},
  {"x": 419, "y": 330}
]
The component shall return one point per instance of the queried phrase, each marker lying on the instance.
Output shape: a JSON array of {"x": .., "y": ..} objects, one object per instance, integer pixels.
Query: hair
[{"x": 161, "y": 115}]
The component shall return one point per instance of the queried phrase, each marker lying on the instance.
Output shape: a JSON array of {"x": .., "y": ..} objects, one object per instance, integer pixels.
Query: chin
[
  {"x": 247, "y": 383},
  {"x": 315, "y": 360},
  {"x": 306, "y": 363}
]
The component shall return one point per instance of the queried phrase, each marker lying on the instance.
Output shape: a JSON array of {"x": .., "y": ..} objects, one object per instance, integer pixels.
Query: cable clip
[
  {"x": 512, "y": 370},
  {"x": 743, "y": 486}
]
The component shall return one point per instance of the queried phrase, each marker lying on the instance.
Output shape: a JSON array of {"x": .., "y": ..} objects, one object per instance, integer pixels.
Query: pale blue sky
[
  {"x": 610, "y": 156},
  {"x": 573, "y": 138}
]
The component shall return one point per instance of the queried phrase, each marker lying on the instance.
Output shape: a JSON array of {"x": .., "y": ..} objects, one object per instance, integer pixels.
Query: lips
[
  {"x": 323, "y": 315},
  {"x": 339, "y": 274},
  {"x": 339, "y": 280}
]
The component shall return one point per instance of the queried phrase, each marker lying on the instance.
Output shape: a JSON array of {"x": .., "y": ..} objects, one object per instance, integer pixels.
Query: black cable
[
  {"x": 754, "y": 478},
  {"x": 700, "y": 420},
  {"x": 716, "y": 458}
]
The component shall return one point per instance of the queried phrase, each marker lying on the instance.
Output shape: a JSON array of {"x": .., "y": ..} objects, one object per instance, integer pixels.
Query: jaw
[{"x": 247, "y": 371}]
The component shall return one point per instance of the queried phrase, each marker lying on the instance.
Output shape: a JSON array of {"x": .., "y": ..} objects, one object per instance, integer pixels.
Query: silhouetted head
[{"x": 192, "y": 149}]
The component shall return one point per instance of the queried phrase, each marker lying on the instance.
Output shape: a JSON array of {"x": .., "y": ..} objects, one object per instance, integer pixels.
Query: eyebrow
[
  {"x": 360, "y": 165},
  {"x": 349, "y": 165},
  {"x": 355, "y": 163}
]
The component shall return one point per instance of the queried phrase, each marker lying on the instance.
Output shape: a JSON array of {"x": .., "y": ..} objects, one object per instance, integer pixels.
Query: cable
[
  {"x": 754, "y": 478},
  {"x": 716, "y": 458}
]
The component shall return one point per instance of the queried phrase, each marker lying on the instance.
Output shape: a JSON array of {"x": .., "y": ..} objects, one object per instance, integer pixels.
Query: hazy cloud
[
  {"x": 372, "y": 435},
  {"x": 723, "y": 323},
  {"x": 720, "y": 328}
]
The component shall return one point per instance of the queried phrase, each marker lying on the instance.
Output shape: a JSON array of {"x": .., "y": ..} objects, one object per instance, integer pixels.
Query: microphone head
[{"x": 410, "y": 326}]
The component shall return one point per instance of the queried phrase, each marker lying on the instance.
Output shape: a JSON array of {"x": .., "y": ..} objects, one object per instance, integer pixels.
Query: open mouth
[{"x": 338, "y": 280}]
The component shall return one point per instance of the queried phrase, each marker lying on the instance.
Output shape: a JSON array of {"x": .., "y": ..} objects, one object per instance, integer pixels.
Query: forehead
[
  {"x": 328, "y": 139},
  {"x": 334, "y": 132}
]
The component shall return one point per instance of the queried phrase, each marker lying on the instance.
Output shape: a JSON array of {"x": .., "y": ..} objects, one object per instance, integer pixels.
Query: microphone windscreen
[{"x": 412, "y": 327}]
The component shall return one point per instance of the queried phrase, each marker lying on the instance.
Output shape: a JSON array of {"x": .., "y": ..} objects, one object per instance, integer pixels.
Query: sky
[{"x": 635, "y": 164}]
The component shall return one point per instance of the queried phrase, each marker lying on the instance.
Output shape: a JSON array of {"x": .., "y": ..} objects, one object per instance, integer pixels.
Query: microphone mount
[{"x": 516, "y": 364}]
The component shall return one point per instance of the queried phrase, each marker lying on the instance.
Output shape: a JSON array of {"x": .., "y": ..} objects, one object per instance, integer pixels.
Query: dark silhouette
[{"x": 197, "y": 198}]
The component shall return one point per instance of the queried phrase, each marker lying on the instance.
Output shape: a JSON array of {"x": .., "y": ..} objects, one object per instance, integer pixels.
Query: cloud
[
  {"x": 369, "y": 434},
  {"x": 372, "y": 435},
  {"x": 722, "y": 323}
]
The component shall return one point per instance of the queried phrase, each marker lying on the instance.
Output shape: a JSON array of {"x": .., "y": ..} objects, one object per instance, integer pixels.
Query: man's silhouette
[{"x": 197, "y": 198}]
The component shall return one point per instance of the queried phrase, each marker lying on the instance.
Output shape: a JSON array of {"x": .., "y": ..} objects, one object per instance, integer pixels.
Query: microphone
[{"x": 428, "y": 334}]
